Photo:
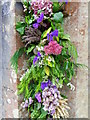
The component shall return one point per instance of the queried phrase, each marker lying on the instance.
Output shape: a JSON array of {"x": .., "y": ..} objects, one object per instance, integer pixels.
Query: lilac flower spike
[
  {"x": 30, "y": 101},
  {"x": 35, "y": 25},
  {"x": 25, "y": 104},
  {"x": 40, "y": 19},
  {"x": 38, "y": 97}
]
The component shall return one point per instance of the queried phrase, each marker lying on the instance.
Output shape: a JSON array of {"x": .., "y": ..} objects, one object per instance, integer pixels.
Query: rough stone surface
[{"x": 76, "y": 26}]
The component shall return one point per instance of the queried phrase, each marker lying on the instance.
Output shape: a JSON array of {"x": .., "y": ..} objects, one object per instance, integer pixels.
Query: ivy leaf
[
  {"x": 46, "y": 69},
  {"x": 30, "y": 49},
  {"x": 45, "y": 33},
  {"x": 58, "y": 17},
  {"x": 20, "y": 27}
]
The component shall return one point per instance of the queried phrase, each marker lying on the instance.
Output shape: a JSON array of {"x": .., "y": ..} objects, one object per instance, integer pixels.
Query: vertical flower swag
[{"x": 51, "y": 60}]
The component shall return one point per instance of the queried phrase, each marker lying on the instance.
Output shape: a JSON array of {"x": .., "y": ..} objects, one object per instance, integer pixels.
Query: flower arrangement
[{"x": 51, "y": 60}]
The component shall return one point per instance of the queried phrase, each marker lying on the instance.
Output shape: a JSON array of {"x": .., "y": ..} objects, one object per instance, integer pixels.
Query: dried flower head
[
  {"x": 31, "y": 36},
  {"x": 62, "y": 109}
]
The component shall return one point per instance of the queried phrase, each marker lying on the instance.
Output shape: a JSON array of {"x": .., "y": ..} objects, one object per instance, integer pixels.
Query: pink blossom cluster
[
  {"x": 53, "y": 48},
  {"x": 44, "y": 5}
]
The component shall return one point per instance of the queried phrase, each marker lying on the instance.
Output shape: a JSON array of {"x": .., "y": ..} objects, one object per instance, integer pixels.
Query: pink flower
[{"x": 53, "y": 48}]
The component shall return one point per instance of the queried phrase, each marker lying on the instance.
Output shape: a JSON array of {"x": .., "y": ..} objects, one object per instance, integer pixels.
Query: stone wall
[{"x": 76, "y": 25}]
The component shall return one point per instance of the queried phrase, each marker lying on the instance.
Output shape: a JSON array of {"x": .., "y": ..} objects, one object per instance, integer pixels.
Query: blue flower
[
  {"x": 55, "y": 33},
  {"x": 52, "y": 34},
  {"x": 35, "y": 60},
  {"x": 38, "y": 97},
  {"x": 35, "y": 25},
  {"x": 45, "y": 84},
  {"x": 39, "y": 54},
  {"x": 40, "y": 19},
  {"x": 48, "y": 36}
]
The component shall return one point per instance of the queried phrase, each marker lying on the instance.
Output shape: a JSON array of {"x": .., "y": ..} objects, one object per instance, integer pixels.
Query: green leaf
[
  {"x": 30, "y": 49},
  {"x": 43, "y": 114},
  {"x": 50, "y": 64},
  {"x": 57, "y": 7},
  {"x": 58, "y": 17},
  {"x": 20, "y": 27},
  {"x": 46, "y": 70},
  {"x": 66, "y": 37},
  {"x": 29, "y": 20},
  {"x": 45, "y": 33}
]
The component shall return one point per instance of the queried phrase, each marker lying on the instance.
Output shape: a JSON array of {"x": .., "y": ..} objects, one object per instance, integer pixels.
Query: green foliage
[
  {"x": 20, "y": 27},
  {"x": 56, "y": 7},
  {"x": 29, "y": 20},
  {"x": 30, "y": 49},
  {"x": 60, "y": 69},
  {"x": 14, "y": 59},
  {"x": 45, "y": 33},
  {"x": 43, "y": 114},
  {"x": 58, "y": 17},
  {"x": 35, "y": 114}
]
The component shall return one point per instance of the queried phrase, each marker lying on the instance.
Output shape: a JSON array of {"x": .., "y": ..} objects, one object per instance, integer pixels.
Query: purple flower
[
  {"x": 66, "y": 1},
  {"x": 45, "y": 84},
  {"x": 30, "y": 101},
  {"x": 55, "y": 33},
  {"x": 48, "y": 36},
  {"x": 39, "y": 54},
  {"x": 35, "y": 25},
  {"x": 25, "y": 104},
  {"x": 49, "y": 82},
  {"x": 52, "y": 34},
  {"x": 34, "y": 60},
  {"x": 51, "y": 37},
  {"x": 40, "y": 19},
  {"x": 38, "y": 97},
  {"x": 52, "y": 112}
]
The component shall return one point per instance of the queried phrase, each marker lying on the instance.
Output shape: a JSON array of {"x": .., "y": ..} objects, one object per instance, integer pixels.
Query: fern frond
[{"x": 15, "y": 57}]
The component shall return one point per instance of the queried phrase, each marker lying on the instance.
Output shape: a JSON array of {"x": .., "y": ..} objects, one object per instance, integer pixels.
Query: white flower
[{"x": 72, "y": 86}]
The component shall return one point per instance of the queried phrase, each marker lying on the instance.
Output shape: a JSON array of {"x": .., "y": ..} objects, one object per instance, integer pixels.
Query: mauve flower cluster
[
  {"x": 51, "y": 97},
  {"x": 28, "y": 102},
  {"x": 43, "y": 5},
  {"x": 53, "y": 48}
]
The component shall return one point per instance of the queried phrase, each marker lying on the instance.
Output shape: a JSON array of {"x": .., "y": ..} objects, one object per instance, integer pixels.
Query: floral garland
[{"x": 51, "y": 60}]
